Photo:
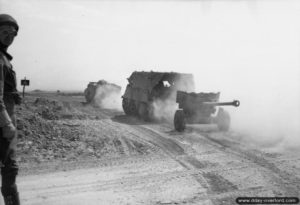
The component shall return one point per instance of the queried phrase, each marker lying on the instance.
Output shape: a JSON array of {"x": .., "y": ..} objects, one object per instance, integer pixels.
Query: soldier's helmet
[{"x": 6, "y": 19}]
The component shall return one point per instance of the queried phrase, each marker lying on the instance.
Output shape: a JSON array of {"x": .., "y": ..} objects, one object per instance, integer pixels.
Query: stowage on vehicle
[{"x": 145, "y": 87}]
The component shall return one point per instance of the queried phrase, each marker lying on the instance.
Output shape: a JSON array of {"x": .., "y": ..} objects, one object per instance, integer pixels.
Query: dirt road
[{"x": 162, "y": 166}]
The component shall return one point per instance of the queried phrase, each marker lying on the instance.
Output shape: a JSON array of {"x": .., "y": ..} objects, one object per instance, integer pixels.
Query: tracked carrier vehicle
[
  {"x": 198, "y": 108},
  {"x": 145, "y": 87},
  {"x": 91, "y": 90}
]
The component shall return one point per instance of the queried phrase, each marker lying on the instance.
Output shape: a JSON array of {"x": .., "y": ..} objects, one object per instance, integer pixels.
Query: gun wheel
[
  {"x": 223, "y": 120},
  {"x": 179, "y": 121}
]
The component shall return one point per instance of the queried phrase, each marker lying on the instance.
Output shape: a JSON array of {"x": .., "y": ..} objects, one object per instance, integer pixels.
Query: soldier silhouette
[{"x": 9, "y": 97}]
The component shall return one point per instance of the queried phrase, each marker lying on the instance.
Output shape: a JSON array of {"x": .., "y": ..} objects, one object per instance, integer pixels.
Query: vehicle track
[
  {"x": 289, "y": 184},
  {"x": 211, "y": 182},
  {"x": 283, "y": 183}
]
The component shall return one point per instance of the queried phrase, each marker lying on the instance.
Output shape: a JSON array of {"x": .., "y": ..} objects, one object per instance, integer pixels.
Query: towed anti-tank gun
[{"x": 198, "y": 108}]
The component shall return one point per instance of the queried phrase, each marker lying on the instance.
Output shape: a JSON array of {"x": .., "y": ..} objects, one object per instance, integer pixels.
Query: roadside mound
[{"x": 52, "y": 131}]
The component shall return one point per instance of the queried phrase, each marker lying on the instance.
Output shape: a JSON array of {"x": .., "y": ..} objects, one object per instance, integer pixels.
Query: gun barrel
[{"x": 234, "y": 103}]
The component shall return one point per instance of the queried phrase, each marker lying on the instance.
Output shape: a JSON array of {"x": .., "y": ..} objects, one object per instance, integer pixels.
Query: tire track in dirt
[
  {"x": 219, "y": 184},
  {"x": 118, "y": 146},
  {"x": 288, "y": 182},
  {"x": 99, "y": 163},
  {"x": 212, "y": 182},
  {"x": 132, "y": 141},
  {"x": 280, "y": 182},
  {"x": 118, "y": 136},
  {"x": 131, "y": 148},
  {"x": 119, "y": 184},
  {"x": 129, "y": 180},
  {"x": 218, "y": 198},
  {"x": 169, "y": 146},
  {"x": 134, "y": 147},
  {"x": 130, "y": 184}
]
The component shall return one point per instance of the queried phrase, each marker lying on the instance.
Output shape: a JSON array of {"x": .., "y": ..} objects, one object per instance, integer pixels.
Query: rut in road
[
  {"x": 277, "y": 181},
  {"x": 288, "y": 182},
  {"x": 214, "y": 183}
]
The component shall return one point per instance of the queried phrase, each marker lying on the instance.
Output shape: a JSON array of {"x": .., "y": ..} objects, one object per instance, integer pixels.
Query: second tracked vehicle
[
  {"x": 145, "y": 87},
  {"x": 91, "y": 91}
]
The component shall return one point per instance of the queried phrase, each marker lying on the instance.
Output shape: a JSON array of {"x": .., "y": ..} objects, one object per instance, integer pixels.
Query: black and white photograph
[{"x": 149, "y": 102}]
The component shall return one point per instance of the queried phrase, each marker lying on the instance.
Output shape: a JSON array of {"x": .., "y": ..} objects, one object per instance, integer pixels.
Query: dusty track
[{"x": 162, "y": 166}]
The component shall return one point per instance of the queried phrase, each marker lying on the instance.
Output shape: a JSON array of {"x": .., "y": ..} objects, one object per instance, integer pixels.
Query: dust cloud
[
  {"x": 108, "y": 97},
  {"x": 164, "y": 110},
  {"x": 269, "y": 114},
  {"x": 269, "y": 119}
]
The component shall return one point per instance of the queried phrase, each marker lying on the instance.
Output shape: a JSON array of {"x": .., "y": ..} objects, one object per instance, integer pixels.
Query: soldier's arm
[{"x": 4, "y": 117}]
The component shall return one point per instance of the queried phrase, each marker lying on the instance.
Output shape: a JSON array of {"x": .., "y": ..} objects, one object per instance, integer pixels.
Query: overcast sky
[{"x": 247, "y": 49}]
